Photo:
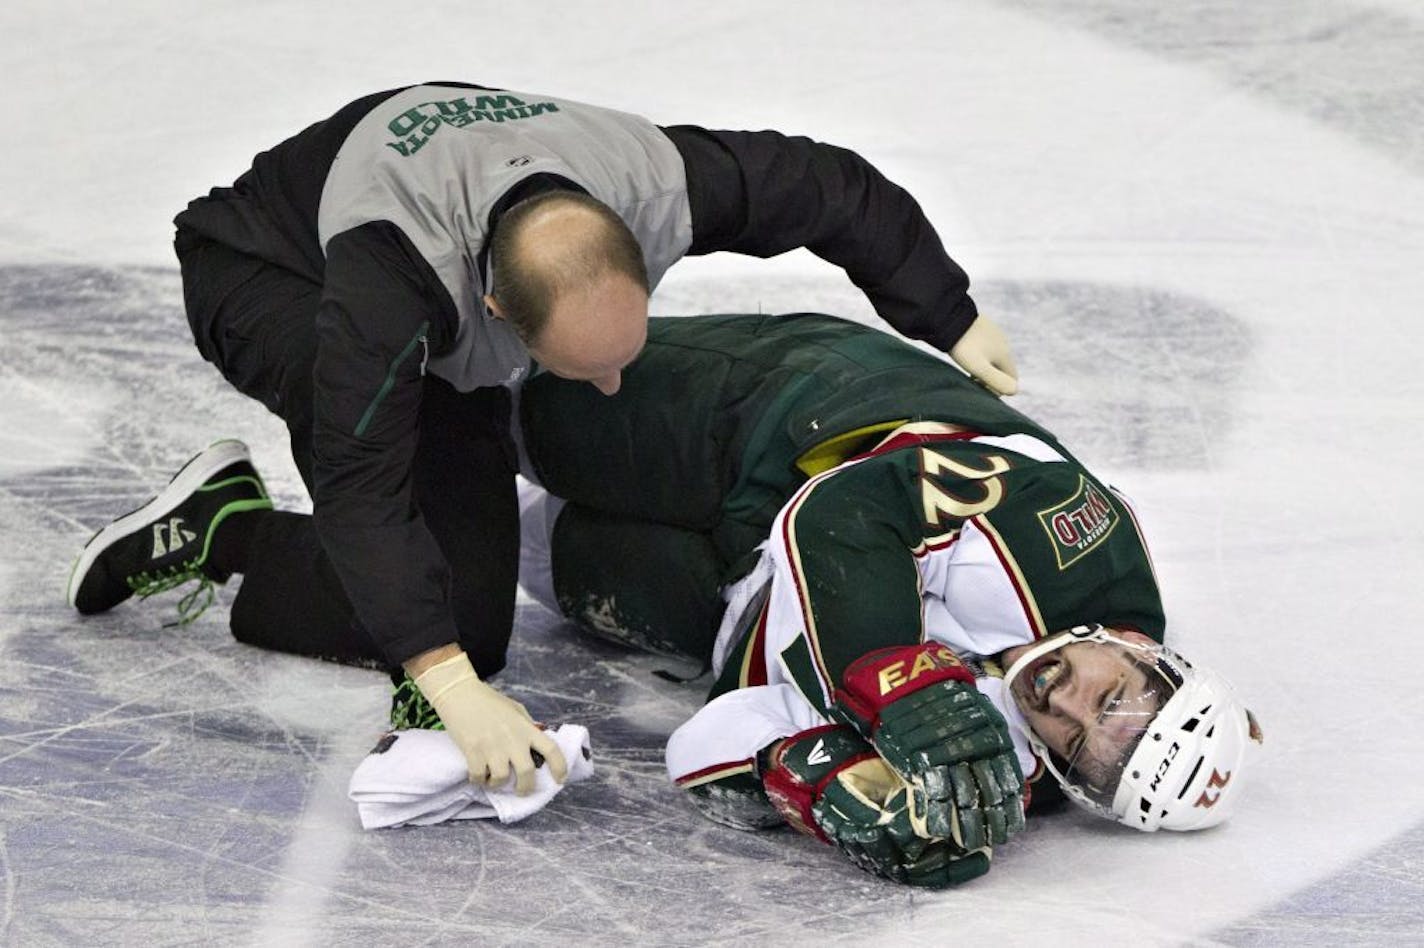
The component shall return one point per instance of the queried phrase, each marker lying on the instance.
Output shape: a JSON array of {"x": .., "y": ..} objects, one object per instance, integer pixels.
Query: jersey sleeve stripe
[
  {"x": 1015, "y": 575},
  {"x": 919, "y": 432},
  {"x": 716, "y": 772},
  {"x": 793, "y": 561},
  {"x": 753, "y": 671},
  {"x": 934, "y": 544},
  {"x": 1141, "y": 538}
]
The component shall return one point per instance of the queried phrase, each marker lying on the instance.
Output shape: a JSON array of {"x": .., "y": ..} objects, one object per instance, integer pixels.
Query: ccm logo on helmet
[
  {"x": 1217, "y": 783},
  {"x": 1163, "y": 767}
]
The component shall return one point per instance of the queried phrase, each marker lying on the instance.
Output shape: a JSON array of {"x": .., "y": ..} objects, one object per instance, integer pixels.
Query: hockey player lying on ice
[{"x": 911, "y": 595}]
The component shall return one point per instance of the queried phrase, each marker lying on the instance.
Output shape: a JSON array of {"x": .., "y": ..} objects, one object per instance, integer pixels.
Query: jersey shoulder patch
[{"x": 1080, "y": 522}]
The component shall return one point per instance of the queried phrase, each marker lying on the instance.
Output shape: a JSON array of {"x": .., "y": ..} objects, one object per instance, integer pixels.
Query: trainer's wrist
[
  {"x": 420, "y": 664},
  {"x": 444, "y": 678}
]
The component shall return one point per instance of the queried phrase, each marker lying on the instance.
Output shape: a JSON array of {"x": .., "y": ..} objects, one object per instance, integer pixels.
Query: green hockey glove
[
  {"x": 829, "y": 783},
  {"x": 920, "y": 708}
]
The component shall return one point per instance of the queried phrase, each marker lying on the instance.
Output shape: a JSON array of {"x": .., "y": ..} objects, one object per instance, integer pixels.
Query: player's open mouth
[{"x": 1044, "y": 675}]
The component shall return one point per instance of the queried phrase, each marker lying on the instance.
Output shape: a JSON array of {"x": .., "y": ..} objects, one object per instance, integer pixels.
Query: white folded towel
[{"x": 419, "y": 777}]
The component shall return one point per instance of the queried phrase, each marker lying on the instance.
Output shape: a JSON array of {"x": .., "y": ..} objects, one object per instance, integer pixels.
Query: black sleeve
[
  {"x": 381, "y": 307},
  {"x": 764, "y": 193}
]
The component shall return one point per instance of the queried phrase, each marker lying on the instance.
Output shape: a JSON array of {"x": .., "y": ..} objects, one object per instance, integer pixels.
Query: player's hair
[{"x": 527, "y": 283}]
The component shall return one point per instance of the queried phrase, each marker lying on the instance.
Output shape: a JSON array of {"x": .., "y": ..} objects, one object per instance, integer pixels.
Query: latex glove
[
  {"x": 983, "y": 352},
  {"x": 494, "y": 732}
]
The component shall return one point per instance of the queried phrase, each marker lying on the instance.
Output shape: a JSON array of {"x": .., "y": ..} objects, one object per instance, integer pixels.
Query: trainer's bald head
[
  {"x": 563, "y": 238},
  {"x": 569, "y": 276},
  {"x": 554, "y": 243}
]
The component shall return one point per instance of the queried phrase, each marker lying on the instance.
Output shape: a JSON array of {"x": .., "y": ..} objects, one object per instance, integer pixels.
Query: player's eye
[
  {"x": 1065, "y": 678},
  {"x": 1111, "y": 696}
]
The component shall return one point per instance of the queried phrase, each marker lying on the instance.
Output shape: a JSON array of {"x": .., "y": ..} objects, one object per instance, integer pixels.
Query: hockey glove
[
  {"x": 829, "y": 783},
  {"x": 494, "y": 732},
  {"x": 920, "y": 708}
]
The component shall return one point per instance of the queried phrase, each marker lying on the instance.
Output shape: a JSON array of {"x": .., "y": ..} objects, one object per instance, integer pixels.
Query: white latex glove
[
  {"x": 494, "y": 732},
  {"x": 983, "y": 352}
]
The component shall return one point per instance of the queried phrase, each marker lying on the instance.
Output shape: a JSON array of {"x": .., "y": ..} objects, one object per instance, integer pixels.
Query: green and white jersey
[{"x": 938, "y": 534}]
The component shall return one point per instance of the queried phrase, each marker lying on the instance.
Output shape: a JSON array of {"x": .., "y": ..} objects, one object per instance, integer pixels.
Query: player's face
[
  {"x": 1089, "y": 702},
  {"x": 593, "y": 335}
]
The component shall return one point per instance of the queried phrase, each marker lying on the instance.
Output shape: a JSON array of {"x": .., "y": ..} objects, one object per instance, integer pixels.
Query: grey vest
[{"x": 433, "y": 160}]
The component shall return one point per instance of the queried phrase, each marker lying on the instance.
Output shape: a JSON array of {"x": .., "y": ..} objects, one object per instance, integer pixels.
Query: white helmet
[{"x": 1181, "y": 742}]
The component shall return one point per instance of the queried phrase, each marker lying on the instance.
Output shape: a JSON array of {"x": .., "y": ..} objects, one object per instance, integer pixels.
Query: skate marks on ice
[
  {"x": 110, "y": 391},
  {"x": 1378, "y": 900},
  {"x": 1353, "y": 67}
]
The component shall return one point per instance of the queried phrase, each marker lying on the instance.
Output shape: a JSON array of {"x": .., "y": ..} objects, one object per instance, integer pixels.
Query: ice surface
[{"x": 1202, "y": 224}]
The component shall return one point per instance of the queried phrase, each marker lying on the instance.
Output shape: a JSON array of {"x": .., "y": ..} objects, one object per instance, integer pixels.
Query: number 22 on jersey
[{"x": 946, "y": 509}]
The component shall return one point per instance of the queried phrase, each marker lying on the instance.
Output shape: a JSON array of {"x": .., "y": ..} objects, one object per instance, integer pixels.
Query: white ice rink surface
[{"x": 1203, "y": 227}]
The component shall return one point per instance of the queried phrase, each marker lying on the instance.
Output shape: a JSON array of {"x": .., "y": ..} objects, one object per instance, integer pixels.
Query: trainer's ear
[{"x": 493, "y": 307}]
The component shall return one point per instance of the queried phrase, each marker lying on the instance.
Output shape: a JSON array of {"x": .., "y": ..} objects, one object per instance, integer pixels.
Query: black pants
[{"x": 257, "y": 323}]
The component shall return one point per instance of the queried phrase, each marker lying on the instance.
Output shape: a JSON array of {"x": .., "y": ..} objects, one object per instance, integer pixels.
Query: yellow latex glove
[
  {"x": 983, "y": 352},
  {"x": 494, "y": 732}
]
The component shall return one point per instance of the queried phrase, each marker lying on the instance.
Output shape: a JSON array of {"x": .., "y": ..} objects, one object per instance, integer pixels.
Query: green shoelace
[
  {"x": 410, "y": 709},
  {"x": 193, "y": 604}
]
